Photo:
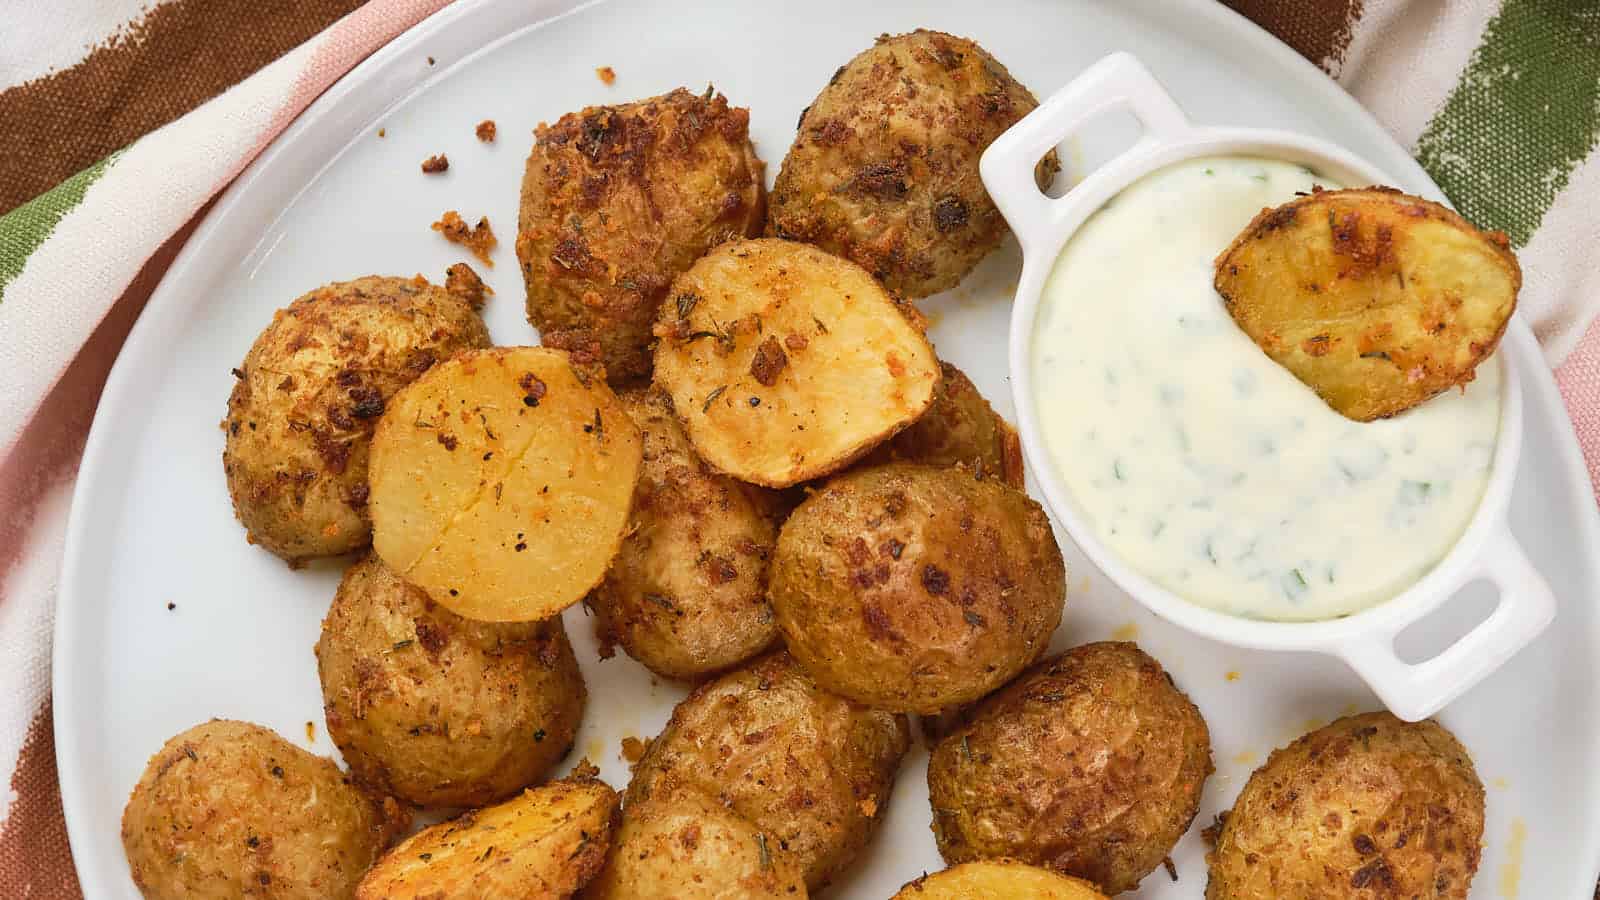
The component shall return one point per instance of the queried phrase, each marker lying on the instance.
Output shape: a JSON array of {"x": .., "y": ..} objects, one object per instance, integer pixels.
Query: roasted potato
[
  {"x": 998, "y": 879},
  {"x": 616, "y": 202},
  {"x": 884, "y": 169},
  {"x": 688, "y": 846},
  {"x": 440, "y": 710},
  {"x": 1091, "y": 764},
  {"x": 308, "y": 394},
  {"x": 687, "y": 595},
  {"x": 786, "y": 364},
  {"x": 229, "y": 809},
  {"x": 500, "y": 483},
  {"x": 546, "y": 843},
  {"x": 1368, "y": 806},
  {"x": 810, "y": 770},
  {"x": 959, "y": 428},
  {"x": 1374, "y": 299},
  {"x": 913, "y": 588}
]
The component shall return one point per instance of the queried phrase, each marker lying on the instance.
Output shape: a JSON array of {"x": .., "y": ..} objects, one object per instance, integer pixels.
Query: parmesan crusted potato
[
  {"x": 998, "y": 879},
  {"x": 786, "y": 364},
  {"x": 546, "y": 843},
  {"x": 437, "y": 709},
  {"x": 960, "y": 428},
  {"x": 810, "y": 770},
  {"x": 500, "y": 483},
  {"x": 308, "y": 394},
  {"x": 688, "y": 846},
  {"x": 1374, "y": 299},
  {"x": 1366, "y": 807},
  {"x": 914, "y": 588},
  {"x": 230, "y": 809},
  {"x": 1090, "y": 764},
  {"x": 687, "y": 595},
  {"x": 616, "y": 202},
  {"x": 884, "y": 167}
]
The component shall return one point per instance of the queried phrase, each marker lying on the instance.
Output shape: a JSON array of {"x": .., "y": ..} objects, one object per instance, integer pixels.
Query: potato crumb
[
  {"x": 462, "y": 281},
  {"x": 382, "y": 132},
  {"x": 486, "y": 131},
  {"x": 607, "y": 75},
  {"x": 311, "y": 732},
  {"x": 435, "y": 164},
  {"x": 1232, "y": 676},
  {"x": 633, "y": 749},
  {"x": 479, "y": 238}
]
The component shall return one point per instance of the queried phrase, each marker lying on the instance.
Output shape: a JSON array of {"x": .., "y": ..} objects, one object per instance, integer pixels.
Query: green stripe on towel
[{"x": 23, "y": 229}]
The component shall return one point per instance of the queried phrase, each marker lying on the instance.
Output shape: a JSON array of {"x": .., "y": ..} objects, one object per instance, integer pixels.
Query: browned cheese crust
[
  {"x": 884, "y": 167},
  {"x": 437, "y": 709},
  {"x": 960, "y": 428},
  {"x": 616, "y": 202},
  {"x": 1090, "y": 764},
  {"x": 915, "y": 588},
  {"x": 308, "y": 395},
  {"x": 1368, "y": 807},
  {"x": 229, "y": 809},
  {"x": 687, "y": 593},
  {"x": 811, "y": 770},
  {"x": 1374, "y": 299}
]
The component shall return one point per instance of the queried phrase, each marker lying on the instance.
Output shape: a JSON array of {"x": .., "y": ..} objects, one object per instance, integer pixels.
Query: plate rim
[{"x": 236, "y": 200}]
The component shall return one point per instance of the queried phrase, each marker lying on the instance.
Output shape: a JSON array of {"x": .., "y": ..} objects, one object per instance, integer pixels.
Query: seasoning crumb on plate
[
  {"x": 435, "y": 164},
  {"x": 485, "y": 131},
  {"x": 171, "y": 606},
  {"x": 607, "y": 75},
  {"x": 382, "y": 132},
  {"x": 462, "y": 281},
  {"x": 479, "y": 238}
]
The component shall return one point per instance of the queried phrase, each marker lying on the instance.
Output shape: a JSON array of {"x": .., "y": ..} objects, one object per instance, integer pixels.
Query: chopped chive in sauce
[{"x": 1117, "y": 470}]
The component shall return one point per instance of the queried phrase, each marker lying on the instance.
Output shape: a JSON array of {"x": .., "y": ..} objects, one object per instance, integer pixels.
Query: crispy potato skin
[
  {"x": 884, "y": 167},
  {"x": 616, "y": 202},
  {"x": 1091, "y": 764},
  {"x": 229, "y": 809},
  {"x": 960, "y": 428},
  {"x": 998, "y": 879},
  {"x": 687, "y": 846},
  {"x": 1375, "y": 299},
  {"x": 687, "y": 594},
  {"x": 544, "y": 844},
  {"x": 440, "y": 710},
  {"x": 1367, "y": 807},
  {"x": 501, "y": 482},
  {"x": 810, "y": 769},
  {"x": 786, "y": 363},
  {"x": 308, "y": 394},
  {"x": 914, "y": 588}
]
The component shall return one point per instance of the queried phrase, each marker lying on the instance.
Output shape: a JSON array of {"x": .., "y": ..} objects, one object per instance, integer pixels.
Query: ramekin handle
[
  {"x": 1415, "y": 691},
  {"x": 1118, "y": 81}
]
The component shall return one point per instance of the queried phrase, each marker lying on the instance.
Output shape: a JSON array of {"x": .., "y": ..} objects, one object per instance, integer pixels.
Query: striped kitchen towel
[{"x": 121, "y": 119}]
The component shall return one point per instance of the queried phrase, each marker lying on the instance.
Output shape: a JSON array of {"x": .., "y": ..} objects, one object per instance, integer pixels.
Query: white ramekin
[{"x": 1364, "y": 640}]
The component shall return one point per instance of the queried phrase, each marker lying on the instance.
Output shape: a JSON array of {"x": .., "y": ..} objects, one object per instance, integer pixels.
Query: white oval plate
[{"x": 151, "y": 522}]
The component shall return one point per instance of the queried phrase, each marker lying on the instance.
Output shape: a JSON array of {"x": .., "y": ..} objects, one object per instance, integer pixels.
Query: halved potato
[
  {"x": 786, "y": 363},
  {"x": 546, "y": 843},
  {"x": 1375, "y": 299},
  {"x": 998, "y": 879},
  {"x": 500, "y": 483}
]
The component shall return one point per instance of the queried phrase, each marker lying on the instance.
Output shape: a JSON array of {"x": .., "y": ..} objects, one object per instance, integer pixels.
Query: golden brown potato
[
  {"x": 1090, "y": 764},
  {"x": 914, "y": 588},
  {"x": 687, "y": 595},
  {"x": 501, "y": 482},
  {"x": 546, "y": 843},
  {"x": 1366, "y": 807},
  {"x": 960, "y": 428},
  {"x": 230, "y": 809},
  {"x": 998, "y": 879},
  {"x": 1374, "y": 299},
  {"x": 616, "y": 202},
  {"x": 440, "y": 710},
  {"x": 811, "y": 770},
  {"x": 687, "y": 846},
  {"x": 306, "y": 398},
  {"x": 884, "y": 169},
  {"x": 786, "y": 364}
]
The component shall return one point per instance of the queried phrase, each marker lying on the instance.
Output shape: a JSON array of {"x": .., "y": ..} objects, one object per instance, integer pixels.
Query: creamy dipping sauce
[{"x": 1204, "y": 464}]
